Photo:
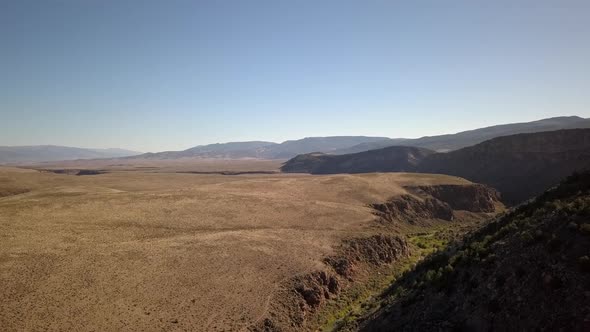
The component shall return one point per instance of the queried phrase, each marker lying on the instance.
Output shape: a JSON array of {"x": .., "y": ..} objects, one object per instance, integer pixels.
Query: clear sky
[{"x": 169, "y": 74}]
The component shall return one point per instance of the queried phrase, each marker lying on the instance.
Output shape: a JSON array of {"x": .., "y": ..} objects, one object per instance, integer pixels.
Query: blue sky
[{"x": 168, "y": 75}]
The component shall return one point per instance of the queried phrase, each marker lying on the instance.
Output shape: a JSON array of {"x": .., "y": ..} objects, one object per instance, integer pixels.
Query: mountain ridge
[
  {"x": 339, "y": 145},
  {"x": 520, "y": 166},
  {"x": 336, "y": 145},
  {"x": 44, "y": 153}
]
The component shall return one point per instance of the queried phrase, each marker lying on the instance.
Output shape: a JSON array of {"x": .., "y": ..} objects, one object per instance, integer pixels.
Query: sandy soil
[{"x": 143, "y": 251}]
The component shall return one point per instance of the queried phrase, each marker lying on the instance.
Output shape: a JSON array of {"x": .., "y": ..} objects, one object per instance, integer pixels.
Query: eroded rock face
[
  {"x": 300, "y": 297},
  {"x": 375, "y": 250},
  {"x": 409, "y": 208},
  {"x": 472, "y": 197},
  {"x": 437, "y": 202},
  {"x": 306, "y": 294},
  {"x": 526, "y": 270},
  {"x": 315, "y": 288}
]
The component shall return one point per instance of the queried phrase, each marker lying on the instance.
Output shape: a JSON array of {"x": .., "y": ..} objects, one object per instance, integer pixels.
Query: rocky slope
[
  {"x": 301, "y": 298},
  {"x": 444, "y": 143},
  {"x": 528, "y": 270},
  {"x": 391, "y": 159},
  {"x": 471, "y": 137},
  {"x": 519, "y": 166}
]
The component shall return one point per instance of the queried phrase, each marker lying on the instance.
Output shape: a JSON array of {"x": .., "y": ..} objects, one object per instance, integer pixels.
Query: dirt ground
[{"x": 153, "y": 250}]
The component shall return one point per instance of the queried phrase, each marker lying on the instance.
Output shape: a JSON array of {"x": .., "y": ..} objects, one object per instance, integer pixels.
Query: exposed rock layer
[{"x": 526, "y": 271}]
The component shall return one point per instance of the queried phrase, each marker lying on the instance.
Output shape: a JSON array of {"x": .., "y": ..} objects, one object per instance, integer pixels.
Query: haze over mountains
[
  {"x": 265, "y": 150},
  {"x": 335, "y": 145},
  {"x": 41, "y": 153},
  {"x": 471, "y": 137},
  {"x": 352, "y": 144}
]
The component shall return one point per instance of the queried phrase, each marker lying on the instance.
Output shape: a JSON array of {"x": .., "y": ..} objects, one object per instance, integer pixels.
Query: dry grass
[{"x": 143, "y": 250}]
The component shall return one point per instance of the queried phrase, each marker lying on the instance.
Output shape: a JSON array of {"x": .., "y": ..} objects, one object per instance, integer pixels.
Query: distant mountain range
[
  {"x": 232, "y": 150},
  {"x": 335, "y": 145},
  {"x": 519, "y": 166},
  {"x": 41, "y": 153},
  {"x": 338, "y": 145},
  {"x": 265, "y": 150},
  {"x": 444, "y": 143}
]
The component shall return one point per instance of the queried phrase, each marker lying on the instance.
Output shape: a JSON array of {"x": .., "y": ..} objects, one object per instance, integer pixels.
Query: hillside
[
  {"x": 370, "y": 146},
  {"x": 471, "y": 137},
  {"x": 288, "y": 149},
  {"x": 263, "y": 150},
  {"x": 391, "y": 159},
  {"x": 231, "y": 150},
  {"x": 339, "y": 145},
  {"x": 444, "y": 143},
  {"x": 42, "y": 153},
  {"x": 528, "y": 270},
  {"x": 519, "y": 166}
]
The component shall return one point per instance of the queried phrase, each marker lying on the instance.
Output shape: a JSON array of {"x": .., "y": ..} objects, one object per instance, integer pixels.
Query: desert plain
[{"x": 157, "y": 248}]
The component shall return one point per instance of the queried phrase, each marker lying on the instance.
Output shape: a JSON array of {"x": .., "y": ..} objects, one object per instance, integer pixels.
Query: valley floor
[{"x": 140, "y": 250}]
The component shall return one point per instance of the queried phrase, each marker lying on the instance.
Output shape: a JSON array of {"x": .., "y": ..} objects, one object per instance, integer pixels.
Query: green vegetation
[
  {"x": 363, "y": 298},
  {"x": 359, "y": 299},
  {"x": 549, "y": 223}
]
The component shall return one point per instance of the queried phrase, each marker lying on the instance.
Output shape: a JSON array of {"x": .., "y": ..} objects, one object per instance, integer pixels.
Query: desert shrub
[
  {"x": 478, "y": 249},
  {"x": 457, "y": 258},
  {"x": 555, "y": 205},
  {"x": 579, "y": 206},
  {"x": 541, "y": 212},
  {"x": 510, "y": 228},
  {"x": 448, "y": 269},
  {"x": 430, "y": 275}
]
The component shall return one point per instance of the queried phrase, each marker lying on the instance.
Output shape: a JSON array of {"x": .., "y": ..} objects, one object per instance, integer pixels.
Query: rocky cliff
[
  {"x": 357, "y": 257},
  {"x": 527, "y": 270}
]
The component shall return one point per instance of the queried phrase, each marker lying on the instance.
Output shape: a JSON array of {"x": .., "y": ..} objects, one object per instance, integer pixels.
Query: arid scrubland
[{"x": 142, "y": 250}]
